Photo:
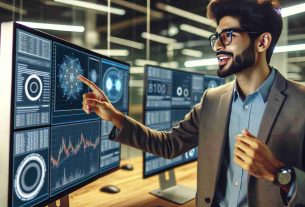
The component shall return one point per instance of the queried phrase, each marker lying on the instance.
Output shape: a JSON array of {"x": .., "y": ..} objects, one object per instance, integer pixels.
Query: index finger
[
  {"x": 89, "y": 83},
  {"x": 248, "y": 140}
]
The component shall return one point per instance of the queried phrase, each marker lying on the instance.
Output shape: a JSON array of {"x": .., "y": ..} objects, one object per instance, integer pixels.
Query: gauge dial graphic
[
  {"x": 30, "y": 177},
  {"x": 112, "y": 84},
  {"x": 33, "y": 87}
]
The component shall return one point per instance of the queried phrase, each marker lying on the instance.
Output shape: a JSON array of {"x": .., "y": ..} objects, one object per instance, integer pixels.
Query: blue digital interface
[
  {"x": 169, "y": 96},
  {"x": 30, "y": 167},
  {"x": 115, "y": 82},
  {"x": 110, "y": 151},
  {"x": 68, "y": 90},
  {"x": 212, "y": 81},
  {"x": 57, "y": 148},
  {"x": 74, "y": 154},
  {"x": 33, "y": 75}
]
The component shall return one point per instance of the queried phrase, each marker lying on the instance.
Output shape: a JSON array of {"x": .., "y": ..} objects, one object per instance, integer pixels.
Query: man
[{"x": 250, "y": 132}]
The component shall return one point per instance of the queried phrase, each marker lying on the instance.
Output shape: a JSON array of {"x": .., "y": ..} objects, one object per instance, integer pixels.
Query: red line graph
[{"x": 67, "y": 149}]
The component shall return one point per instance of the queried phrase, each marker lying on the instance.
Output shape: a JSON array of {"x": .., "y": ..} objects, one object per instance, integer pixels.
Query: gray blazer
[{"x": 206, "y": 125}]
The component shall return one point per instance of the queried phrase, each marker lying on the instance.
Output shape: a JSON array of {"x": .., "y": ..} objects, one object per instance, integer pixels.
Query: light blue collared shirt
[{"x": 245, "y": 114}]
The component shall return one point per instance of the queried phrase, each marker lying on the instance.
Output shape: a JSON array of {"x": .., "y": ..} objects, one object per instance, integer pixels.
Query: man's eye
[{"x": 228, "y": 34}]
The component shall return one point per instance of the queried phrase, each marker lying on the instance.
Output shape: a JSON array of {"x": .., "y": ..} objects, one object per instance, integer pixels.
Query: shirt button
[
  {"x": 246, "y": 106},
  {"x": 236, "y": 183},
  {"x": 207, "y": 200}
]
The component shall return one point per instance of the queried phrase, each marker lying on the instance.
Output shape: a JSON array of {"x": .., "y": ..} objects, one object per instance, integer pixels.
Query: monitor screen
[
  {"x": 168, "y": 96},
  {"x": 53, "y": 147}
]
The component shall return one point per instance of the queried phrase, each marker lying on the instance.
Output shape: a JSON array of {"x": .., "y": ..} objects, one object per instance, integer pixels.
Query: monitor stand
[
  {"x": 170, "y": 191},
  {"x": 64, "y": 202}
]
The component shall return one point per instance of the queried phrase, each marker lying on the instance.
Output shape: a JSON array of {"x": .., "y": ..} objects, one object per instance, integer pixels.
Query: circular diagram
[
  {"x": 212, "y": 84},
  {"x": 33, "y": 87},
  {"x": 67, "y": 76},
  {"x": 93, "y": 75},
  {"x": 186, "y": 92},
  {"x": 112, "y": 84},
  {"x": 179, "y": 91},
  {"x": 30, "y": 177},
  {"x": 190, "y": 154}
]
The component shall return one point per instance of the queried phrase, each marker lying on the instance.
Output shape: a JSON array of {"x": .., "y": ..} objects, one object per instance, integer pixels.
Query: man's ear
[{"x": 263, "y": 42}]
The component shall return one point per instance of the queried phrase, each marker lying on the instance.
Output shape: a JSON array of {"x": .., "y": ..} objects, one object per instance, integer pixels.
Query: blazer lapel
[
  {"x": 274, "y": 104},
  {"x": 211, "y": 142},
  {"x": 225, "y": 108}
]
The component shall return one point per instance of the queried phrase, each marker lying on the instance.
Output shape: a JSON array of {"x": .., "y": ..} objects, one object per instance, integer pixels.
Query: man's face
[{"x": 239, "y": 54}]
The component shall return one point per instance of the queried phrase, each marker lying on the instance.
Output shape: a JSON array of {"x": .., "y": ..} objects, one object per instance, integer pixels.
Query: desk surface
[{"x": 134, "y": 189}]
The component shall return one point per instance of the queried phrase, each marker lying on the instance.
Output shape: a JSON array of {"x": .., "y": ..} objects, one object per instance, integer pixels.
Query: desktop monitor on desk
[
  {"x": 168, "y": 96},
  {"x": 49, "y": 146}
]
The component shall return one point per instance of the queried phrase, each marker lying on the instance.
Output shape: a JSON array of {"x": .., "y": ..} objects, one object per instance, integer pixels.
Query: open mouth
[{"x": 223, "y": 59}]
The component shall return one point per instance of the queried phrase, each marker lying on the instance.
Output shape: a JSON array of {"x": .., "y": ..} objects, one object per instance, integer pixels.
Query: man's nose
[{"x": 218, "y": 45}]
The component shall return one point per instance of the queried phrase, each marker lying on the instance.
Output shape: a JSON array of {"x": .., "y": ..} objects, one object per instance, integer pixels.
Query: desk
[{"x": 134, "y": 189}]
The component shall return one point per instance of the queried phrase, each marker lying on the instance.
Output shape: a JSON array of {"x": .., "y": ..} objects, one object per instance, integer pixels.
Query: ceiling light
[
  {"x": 289, "y": 48},
  {"x": 195, "y": 30},
  {"x": 292, "y": 10},
  {"x": 136, "y": 83},
  {"x": 59, "y": 27},
  {"x": 93, "y": 6},
  {"x": 203, "y": 62},
  {"x": 157, "y": 38},
  {"x": 128, "y": 43},
  {"x": 176, "y": 46},
  {"x": 138, "y": 8},
  {"x": 136, "y": 70},
  {"x": 173, "y": 64},
  {"x": 186, "y": 14},
  {"x": 12, "y": 8},
  {"x": 142, "y": 62},
  {"x": 113, "y": 52},
  {"x": 192, "y": 53}
]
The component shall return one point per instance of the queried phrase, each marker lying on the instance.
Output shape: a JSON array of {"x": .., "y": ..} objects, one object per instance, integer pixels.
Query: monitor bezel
[
  {"x": 144, "y": 116},
  {"x": 12, "y": 130}
]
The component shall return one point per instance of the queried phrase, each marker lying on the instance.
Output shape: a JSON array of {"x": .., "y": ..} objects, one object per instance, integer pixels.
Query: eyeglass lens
[{"x": 225, "y": 38}]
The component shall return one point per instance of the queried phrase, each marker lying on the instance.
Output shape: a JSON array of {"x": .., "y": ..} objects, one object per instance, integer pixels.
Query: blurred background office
[{"x": 169, "y": 33}]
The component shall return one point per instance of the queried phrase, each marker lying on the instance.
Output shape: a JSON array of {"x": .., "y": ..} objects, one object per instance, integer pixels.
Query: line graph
[
  {"x": 75, "y": 153},
  {"x": 67, "y": 150}
]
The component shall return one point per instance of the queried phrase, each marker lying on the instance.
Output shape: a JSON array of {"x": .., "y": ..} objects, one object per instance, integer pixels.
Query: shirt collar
[{"x": 263, "y": 90}]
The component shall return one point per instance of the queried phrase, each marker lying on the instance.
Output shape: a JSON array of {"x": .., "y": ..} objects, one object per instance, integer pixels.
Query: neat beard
[{"x": 241, "y": 62}]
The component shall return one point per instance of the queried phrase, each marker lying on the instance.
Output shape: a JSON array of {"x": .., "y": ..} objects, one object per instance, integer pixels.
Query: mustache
[{"x": 221, "y": 52}]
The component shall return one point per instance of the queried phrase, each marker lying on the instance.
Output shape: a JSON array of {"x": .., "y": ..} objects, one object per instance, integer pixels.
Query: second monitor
[{"x": 168, "y": 96}]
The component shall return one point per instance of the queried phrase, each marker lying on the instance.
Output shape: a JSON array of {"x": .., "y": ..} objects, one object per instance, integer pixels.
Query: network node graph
[
  {"x": 69, "y": 69},
  {"x": 50, "y": 146}
]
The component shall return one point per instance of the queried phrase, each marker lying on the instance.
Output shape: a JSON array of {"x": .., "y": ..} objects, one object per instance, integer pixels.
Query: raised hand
[
  {"x": 255, "y": 157},
  {"x": 96, "y": 101}
]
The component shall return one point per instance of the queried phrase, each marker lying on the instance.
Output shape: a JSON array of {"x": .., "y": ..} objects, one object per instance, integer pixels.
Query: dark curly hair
[{"x": 254, "y": 15}]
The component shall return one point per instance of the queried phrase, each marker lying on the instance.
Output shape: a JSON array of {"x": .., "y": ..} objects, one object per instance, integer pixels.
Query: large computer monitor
[
  {"x": 168, "y": 96},
  {"x": 49, "y": 146}
]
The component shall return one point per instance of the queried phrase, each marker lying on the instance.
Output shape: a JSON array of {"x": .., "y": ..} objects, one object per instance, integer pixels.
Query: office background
[{"x": 170, "y": 33}]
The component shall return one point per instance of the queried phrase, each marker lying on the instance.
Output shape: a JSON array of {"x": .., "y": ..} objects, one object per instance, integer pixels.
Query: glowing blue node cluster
[
  {"x": 68, "y": 72},
  {"x": 93, "y": 76}
]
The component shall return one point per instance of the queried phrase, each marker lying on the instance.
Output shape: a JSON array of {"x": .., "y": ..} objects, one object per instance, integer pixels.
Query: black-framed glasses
[{"x": 225, "y": 36}]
